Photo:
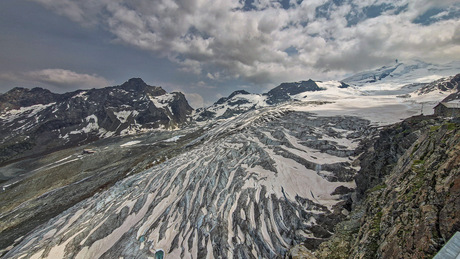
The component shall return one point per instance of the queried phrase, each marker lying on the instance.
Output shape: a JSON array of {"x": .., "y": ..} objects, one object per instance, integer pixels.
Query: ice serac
[
  {"x": 35, "y": 121},
  {"x": 248, "y": 187}
]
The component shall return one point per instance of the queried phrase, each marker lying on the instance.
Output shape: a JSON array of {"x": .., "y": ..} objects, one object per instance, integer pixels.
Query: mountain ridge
[{"x": 54, "y": 120}]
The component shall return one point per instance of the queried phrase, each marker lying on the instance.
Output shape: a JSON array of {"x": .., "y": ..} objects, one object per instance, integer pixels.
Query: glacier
[{"x": 248, "y": 187}]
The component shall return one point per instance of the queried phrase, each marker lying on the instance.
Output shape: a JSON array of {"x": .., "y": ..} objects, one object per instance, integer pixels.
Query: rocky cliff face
[
  {"x": 415, "y": 209},
  {"x": 379, "y": 157},
  {"x": 35, "y": 121}
]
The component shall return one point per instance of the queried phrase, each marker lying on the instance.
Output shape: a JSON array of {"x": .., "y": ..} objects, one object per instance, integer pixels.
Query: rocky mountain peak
[
  {"x": 283, "y": 92},
  {"x": 138, "y": 85},
  {"x": 57, "y": 120},
  {"x": 23, "y": 93},
  {"x": 242, "y": 101},
  {"x": 134, "y": 83},
  {"x": 237, "y": 93},
  {"x": 24, "y": 97}
]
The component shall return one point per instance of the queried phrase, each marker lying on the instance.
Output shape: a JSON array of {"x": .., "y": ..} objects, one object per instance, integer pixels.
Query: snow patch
[
  {"x": 130, "y": 143},
  {"x": 173, "y": 139},
  {"x": 30, "y": 111},
  {"x": 162, "y": 101},
  {"x": 81, "y": 95},
  {"x": 123, "y": 116},
  {"x": 91, "y": 126}
]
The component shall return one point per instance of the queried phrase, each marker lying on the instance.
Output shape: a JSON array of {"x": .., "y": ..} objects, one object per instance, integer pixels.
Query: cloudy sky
[{"x": 209, "y": 48}]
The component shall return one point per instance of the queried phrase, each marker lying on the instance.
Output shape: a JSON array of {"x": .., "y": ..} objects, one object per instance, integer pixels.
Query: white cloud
[
  {"x": 66, "y": 78},
  {"x": 195, "y": 100},
  {"x": 57, "y": 79},
  {"x": 66, "y": 7},
  {"x": 217, "y": 39}
]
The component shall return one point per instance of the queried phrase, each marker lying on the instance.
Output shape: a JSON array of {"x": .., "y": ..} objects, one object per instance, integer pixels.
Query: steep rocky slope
[
  {"x": 384, "y": 152},
  {"x": 413, "y": 210},
  {"x": 36, "y": 121}
]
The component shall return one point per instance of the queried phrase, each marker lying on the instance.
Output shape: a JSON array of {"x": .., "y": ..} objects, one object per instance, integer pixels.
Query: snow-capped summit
[
  {"x": 242, "y": 101},
  {"x": 402, "y": 73},
  {"x": 284, "y": 91},
  {"x": 236, "y": 103}
]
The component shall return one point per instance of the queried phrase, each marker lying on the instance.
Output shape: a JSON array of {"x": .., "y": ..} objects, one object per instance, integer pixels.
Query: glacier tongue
[{"x": 250, "y": 187}]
